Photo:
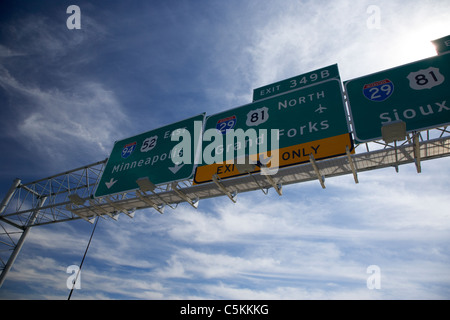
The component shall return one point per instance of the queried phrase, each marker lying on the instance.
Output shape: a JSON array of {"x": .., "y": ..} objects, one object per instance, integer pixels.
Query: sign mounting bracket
[
  {"x": 231, "y": 195},
  {"x": 144, "y": 197},
  {"x": 119, "y": 208},
  {"x": 416, "y": 144},
  {"x": 317, "y": 171},
  {"x": 276, "y": 186},
  {"x": 352, "y": 164},
  {"x": 71, "y": 209},
  {"x": 95, "y": 205},
  {"x": 193, "y": 203}
]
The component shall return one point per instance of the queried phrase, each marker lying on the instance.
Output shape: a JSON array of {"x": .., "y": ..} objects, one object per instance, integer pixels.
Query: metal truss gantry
[{"x": 69, "y": 196}]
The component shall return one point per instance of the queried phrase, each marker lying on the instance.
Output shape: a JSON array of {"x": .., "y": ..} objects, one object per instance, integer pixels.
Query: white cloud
[
  {"x": 58, "y": 114},
  {"x": 91, "y": 116},
  {"x": 308, "y": 244},
  {"x": 329, "y": 292},
  {"x": 6, "y": 52},
  {"x": 88, "y": 118},
  {"x": 300, "y": 37},
  {"x": 58, "y": 124},
  {"x": 314, "y": 246},
  {"x": 304, "y": 37}
]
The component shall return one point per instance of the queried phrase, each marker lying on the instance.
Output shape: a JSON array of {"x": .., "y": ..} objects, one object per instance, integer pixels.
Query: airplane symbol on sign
[{"x": 320, "y": 109}]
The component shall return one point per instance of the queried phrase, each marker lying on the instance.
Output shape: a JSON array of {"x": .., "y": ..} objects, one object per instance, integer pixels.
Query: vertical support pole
[
  {"x": 21, "y": 241},
  {"x": 9, "y": 195}
]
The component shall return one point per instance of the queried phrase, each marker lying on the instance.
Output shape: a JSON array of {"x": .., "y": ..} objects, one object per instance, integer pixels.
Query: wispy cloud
[
  {"x": 317, "y": 246},
  {"x": 308, "y": 244},
  {"x": 300, "y": 37},
  {"x": 88, "y": 117},
  {"x": 57, "y": 112}
]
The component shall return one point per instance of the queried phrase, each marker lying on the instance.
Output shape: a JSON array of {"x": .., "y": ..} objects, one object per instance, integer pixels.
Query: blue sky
[{"x": 67, "y": 95}]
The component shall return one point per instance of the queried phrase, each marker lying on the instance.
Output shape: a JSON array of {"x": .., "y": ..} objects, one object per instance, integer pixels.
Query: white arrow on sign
[
  {"x": 176, "y": 168},
  {"x": 264, "y": 160},
  {"x": 110, "y": 183}
]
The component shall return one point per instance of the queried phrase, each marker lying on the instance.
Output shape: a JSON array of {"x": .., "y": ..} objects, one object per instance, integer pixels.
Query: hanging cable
[{"x": 82, "y": 260}]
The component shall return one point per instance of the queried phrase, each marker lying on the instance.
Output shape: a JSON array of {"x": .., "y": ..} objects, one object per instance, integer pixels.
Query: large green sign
[
  {"x": 442, "y": 44},
  {"x": 417, "y": 93},
  {"x": 150, "y": 155},
  {"x": 309, "y": 120},
  {"x": 297, "y": 82}
]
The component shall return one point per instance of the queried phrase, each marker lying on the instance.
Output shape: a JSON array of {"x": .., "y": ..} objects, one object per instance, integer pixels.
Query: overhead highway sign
[
  {"x": 280, "y": 131},
  {"x": 150, "y": 155},
  {"x": 297, "y": 82},
  {"x": 417, "y": 93}
]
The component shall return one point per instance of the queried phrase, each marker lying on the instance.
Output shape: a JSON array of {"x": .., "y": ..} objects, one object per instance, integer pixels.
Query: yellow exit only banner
[{"x": 293, "y": 155}]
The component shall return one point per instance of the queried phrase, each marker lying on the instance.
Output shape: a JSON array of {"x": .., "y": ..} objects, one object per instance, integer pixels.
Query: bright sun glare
[{"x": 417, "y": 46}]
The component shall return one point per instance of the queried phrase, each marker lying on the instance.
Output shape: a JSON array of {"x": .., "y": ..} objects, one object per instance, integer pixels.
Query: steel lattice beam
[
  {"x": 69, "y": 195},
  {"x": 60, "y": 189}
]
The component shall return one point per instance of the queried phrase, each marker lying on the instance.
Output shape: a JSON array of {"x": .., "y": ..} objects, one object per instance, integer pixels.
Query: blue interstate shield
[
  {"x": 128, "y": 149},
  {"x": 226, "y": 124},
  {"x": 379, "y": 90}
]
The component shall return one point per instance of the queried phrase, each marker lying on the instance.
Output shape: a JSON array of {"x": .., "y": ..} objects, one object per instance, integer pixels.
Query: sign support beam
[
  {"x": 396, "y": 156},
  {"x": 119, "y": 208},
  {"x": 416, "y": 144},
  {"x": 316, "y": 169},
  {"x": 146, "y": 185},
  {"x": 71, "y": 209},
  {"x": 193, "y": 203},
  {"x": 95, "y": 205},
  {"x": 144, "y": 198},
  {"x": 352, "y": 165},
  {"x": 276, "y": 186},
  {"x": 230, "y": 195}
]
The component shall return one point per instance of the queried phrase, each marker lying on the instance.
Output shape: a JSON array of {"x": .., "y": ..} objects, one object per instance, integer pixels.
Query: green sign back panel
[{"x": 417, "y": 93}]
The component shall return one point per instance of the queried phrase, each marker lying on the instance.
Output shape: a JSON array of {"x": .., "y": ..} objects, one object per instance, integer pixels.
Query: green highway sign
[
  {"x": 297, "y": 82},
  {"x": 417, "y": 93},
  {"x": 151, "y": 155},
  {"x": 442, "y": 44},
  {"x": 308, "y": 120}
]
